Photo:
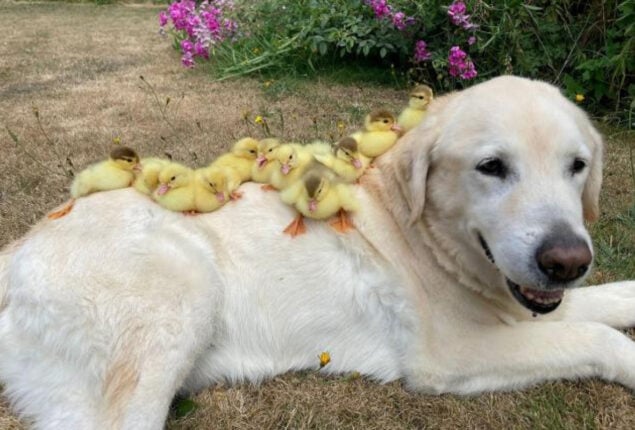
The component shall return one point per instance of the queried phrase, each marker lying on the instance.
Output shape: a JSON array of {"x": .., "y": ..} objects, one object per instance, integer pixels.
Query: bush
[{"x": 588, "y": 47}]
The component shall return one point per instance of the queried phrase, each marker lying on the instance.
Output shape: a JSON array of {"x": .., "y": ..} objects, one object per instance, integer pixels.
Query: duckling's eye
[
  {"x": 172, "y": 178},
  {"x": 577, "y": 166},
  {"x": 290, "y": 157},
  {"x": 252, "y": 151},
  {"x": 270, "y": 150},
  {"x": 420, "y": 97},
  {"x": 386, "y": 121}
]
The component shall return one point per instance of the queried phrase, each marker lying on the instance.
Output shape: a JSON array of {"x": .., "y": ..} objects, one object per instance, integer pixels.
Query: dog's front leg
[
  {"x": 612, "y": 304},
  {"x": 471, "y": 359}
]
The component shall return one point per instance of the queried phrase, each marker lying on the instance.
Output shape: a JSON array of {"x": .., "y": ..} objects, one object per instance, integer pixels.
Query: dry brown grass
[{"x": 80, "y": 66}]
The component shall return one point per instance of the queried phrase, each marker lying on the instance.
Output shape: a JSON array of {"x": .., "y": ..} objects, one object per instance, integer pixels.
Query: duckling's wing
[
  {"x": 348, "y": 201},
  {"x": 291, "y": 194}
]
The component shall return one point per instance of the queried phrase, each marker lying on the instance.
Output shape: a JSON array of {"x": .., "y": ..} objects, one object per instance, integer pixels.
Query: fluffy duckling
[
  {"x": 379, "y": 135},
  {"x": 118, "y": 171},
  {"x": 345, "y": 160},
  {"x": 413, "y": 114},
  {"x": 318, "y": 195},
  {"x": 214, "y": 186},
  {"x": 292, "y": 161},
  {"x": 148, "y": 179},
  {"x": 241, "y": 158},
  {"x": 264, "y": 166},
  {"x": 176, "y": 190}
]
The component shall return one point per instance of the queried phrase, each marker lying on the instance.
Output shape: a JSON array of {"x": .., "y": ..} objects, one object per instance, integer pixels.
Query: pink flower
[
  {"x": 399, "y": 20},
  {"x": 456, "y": 11},
  {"x": 187, "y": 46},
  {"x": 380, "y": 7},
  {"x": 421, "y": 52},
  {"x": 163, "y": 18},
  {"x": 460, "y": 65},
  {"x": 187, "y": 60},
  {"x": 200, "y": 50},
  {"x": 471, "y": 40}
]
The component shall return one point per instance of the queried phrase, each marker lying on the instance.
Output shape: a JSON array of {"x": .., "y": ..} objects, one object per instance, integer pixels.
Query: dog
[{"x": 459, "y": 277}]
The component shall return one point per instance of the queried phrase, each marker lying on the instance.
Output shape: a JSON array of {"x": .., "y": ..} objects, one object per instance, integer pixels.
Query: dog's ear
[
  {"x": 411, "y": 168},
  {"x": 591, "y": 192}
]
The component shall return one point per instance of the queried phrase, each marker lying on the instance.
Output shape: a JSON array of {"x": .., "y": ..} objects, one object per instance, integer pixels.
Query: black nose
[{"x": 564, "y": 258}]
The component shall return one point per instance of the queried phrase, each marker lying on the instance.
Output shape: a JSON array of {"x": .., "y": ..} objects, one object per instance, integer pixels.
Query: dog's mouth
[{"x": 536, "y": 300}]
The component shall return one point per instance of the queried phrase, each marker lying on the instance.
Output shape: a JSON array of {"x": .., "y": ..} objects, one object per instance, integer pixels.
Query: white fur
[{"x": 108, "y": 312}]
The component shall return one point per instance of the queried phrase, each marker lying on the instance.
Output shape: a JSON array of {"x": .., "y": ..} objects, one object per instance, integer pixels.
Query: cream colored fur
[{"x": 111, "y": 310}]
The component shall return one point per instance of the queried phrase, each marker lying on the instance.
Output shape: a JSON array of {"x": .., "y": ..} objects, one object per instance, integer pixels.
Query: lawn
[{"x": 70, "y": 85}]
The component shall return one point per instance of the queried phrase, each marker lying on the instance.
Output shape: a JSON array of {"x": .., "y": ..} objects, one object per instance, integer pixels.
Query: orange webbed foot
[
  {"x": 63, "y": 211},
  {"x": 235, "y": 195},
  {"x": 296, "y": 227},
  {"x": 267, "y": 187},
  {"x": 342, "y": 223},
  {"x": 191, "y": 213}
]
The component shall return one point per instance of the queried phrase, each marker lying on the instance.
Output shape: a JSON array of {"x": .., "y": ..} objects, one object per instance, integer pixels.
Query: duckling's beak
[
  {"x": 163, "y": 188},
  {"x": 261, "y": 161},
  {"x": 137, "y": 168},
  {"x": 313, "y": 205},
  {"x": 220, "y": 197},
  {"x": 396, "y": 128},
  {"x": 357, "y": 163},
  {"x": 285, "y": 169}
]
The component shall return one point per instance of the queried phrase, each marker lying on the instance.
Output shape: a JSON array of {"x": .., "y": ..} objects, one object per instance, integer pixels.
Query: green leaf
[
  {"x": 323, "y": 48},
  {"x": 382, "y": 52},
  {"x": 184, "y": 407}
]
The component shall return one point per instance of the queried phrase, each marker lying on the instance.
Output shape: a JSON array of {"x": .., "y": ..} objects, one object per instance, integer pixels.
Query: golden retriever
[{"x": 458, "y": 278}]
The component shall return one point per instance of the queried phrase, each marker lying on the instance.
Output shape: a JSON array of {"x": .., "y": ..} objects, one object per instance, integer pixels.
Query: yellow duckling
[
  {"x": 319, "y": 196},
  {"x": 264, "y": 166},
  {"x": 176, "y": 190},
  {"x": 148, "y": 179},
  {"x": 411, "y": 116},
  {"x": 214, "y": 186},
  {"x": 241, "y": 158},
  {"x": 345, "y": 160},
  {"x": 292, "y": 161},
  {"x": 118, "y": 171},
  {"x": 379, "y": 135}
]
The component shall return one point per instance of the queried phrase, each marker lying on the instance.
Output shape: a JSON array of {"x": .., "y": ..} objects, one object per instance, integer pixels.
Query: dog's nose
[{"x": 564, "y": 260}]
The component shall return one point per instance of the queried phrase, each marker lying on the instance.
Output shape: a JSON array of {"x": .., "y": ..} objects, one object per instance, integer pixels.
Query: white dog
[{"x": 457, "y": 278}]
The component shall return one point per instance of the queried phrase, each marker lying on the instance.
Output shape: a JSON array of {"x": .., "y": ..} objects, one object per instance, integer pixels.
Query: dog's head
[{"x": 504, "y": 175}]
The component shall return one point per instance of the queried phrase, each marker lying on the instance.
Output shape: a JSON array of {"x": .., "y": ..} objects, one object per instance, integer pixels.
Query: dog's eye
[
  {"x": 578, "y": 166},
  {"x": 492, "y": 167}
]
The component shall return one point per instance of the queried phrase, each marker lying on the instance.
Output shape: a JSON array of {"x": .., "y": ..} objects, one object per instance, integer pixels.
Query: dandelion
[
  {"x": 116, "y": 140},
  {"x": 341, "y": 126},
  {"x": 325, "y": 358},
  {"x": 259, "y": 120},
  {"x": 579, "y": 98},
  {"x": 267, "y": 84}
]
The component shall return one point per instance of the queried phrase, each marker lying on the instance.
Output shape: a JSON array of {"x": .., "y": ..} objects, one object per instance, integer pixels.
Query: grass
[{"x": 79, "y": 64}]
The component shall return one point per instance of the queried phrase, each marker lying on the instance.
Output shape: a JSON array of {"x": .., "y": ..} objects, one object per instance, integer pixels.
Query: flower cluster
[
  {"x": 421, "y": 52},
  {"x": 200, "y": 27},
  {"x": 382, "y": 9},
  {"x": 457, "y": 14},
  {"x": 460, "y": 65}
]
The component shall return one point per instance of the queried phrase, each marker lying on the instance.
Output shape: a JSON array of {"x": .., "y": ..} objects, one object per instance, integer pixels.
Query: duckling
[
  {"x": 318, "y": 195},
  {"x": 148, "y": 179},
  {"x": 413, "y": 114},
  {"x": 345, "y": 160},
  {"x": 240, "y": 158},
  {"x": 214, "y": 186},
  {"x": 176, "y": 190},
  {"x": 118, "y": 171},
  {"x": 264, "y": 166},
  {"x": 293, "y": 159},
  {"x": 379, "y": 135}
]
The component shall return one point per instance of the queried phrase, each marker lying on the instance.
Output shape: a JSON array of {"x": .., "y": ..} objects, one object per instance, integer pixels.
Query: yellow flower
[
  {"x": 256, "y": 50},
  {"x": 116, "y": 140},
  {"x": 267, "y": 84},
  {"x": 340, "y": 126},
  {"x": 579, "y": 98},
  {"x": 325, "y": 358},
  {"x": 259, "y": 120}
]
